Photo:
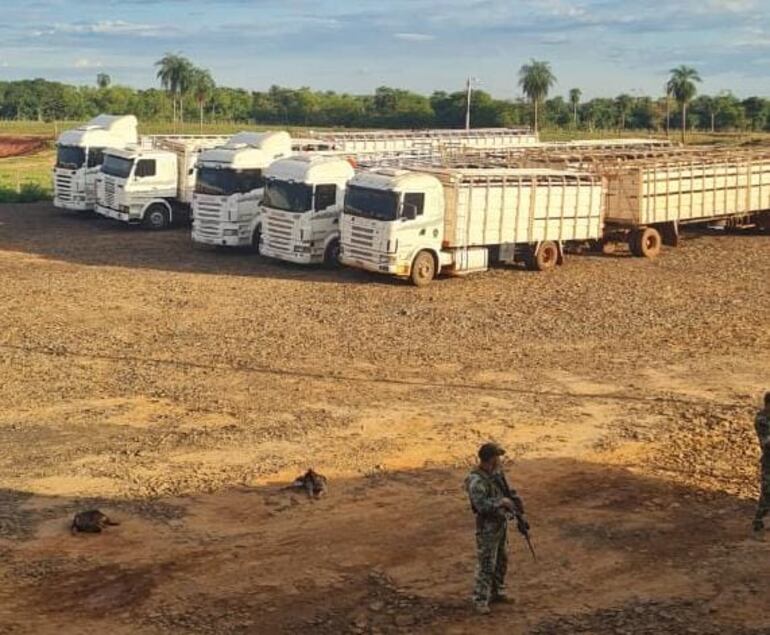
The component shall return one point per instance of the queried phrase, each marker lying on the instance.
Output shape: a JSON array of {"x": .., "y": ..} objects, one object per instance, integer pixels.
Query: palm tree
[
  {"x": 682, "y": 86},
  {"x": 574, "y": 98},
  {"x": 202, "y": 86},
  {"x": 624, "y": 103},
  {"x": 103, "y": 80},
  {"x": 174, "y": 73},
  {"x": 536, "y": 79}
]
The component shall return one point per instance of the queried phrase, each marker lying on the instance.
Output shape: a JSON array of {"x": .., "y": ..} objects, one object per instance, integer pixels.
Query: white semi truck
[
  {"x": 301, "y": 208},
  {"x": 417, "y": 224},
  {"x": 79, "y": 157},
  {"x": 152, "y": 183},
  {"x": 228, "y": 188}
]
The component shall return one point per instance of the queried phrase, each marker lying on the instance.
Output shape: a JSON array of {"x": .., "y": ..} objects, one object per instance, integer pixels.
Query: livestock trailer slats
[
  {"x": 493, "y": 207},
  {"x": 662, "y": 185}
]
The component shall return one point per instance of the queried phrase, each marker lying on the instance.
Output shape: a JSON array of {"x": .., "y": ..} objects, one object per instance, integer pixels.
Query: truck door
[{"x": 413, "y": 230}]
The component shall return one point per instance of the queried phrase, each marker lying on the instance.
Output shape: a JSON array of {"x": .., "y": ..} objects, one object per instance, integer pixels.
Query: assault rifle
[{"x": 518, "y": 514}]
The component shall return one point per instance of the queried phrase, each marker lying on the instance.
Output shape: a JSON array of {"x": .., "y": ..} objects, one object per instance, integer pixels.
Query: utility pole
[
  {"x": 468, "y": 104},
  {"x": 469, "y": 88}
]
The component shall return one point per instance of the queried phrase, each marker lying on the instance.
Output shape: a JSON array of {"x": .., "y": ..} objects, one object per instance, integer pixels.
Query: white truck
[
  {"x": 228, "y": 188},
  {"x": 152, "y": 183},
  {"x": 371, "y": 148},
  {"x": 417, "y": 224},
  {"x": 79, "y": 156},
  {"x": 301, "y": 208}
]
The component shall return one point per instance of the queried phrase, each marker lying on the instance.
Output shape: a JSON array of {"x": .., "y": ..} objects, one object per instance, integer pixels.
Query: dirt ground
[
  {"x": 180, "y": 388},
  {"x": 11, "y": 146}
]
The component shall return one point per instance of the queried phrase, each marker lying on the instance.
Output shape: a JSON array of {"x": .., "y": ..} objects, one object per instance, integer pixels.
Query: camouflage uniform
[
  {"x": 762, "y": 424},
  {"x": 486, "y": 492}
]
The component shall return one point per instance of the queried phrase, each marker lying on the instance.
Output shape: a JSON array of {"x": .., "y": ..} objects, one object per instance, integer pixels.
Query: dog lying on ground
[
  {"x": 91, "y": 522},
  {"x": 314, "y": 484}
]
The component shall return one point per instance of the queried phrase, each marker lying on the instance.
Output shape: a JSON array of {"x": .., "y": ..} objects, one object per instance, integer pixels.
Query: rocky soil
[{"x": 180, "y": 388}]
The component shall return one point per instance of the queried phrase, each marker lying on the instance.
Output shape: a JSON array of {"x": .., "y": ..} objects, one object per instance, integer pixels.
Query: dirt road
[
  {"x": 180, "y": 388},
  {"x": 11, "y": 146}
]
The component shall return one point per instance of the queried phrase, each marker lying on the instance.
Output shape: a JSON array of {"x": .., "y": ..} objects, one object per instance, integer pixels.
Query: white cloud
[
  {"x": 107, "y": 27},
  {"x": 84, "y": 62},
  {"x": 414, "y": 37}
]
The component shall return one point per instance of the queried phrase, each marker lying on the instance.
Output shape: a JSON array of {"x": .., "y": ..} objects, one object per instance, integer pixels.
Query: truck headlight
[
  {"x": 302, "y": 249},
  {"x": 230, "y": 232}
]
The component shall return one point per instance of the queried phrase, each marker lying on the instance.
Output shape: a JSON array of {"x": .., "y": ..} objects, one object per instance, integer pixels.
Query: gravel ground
[{"x": 153, "y": 378}]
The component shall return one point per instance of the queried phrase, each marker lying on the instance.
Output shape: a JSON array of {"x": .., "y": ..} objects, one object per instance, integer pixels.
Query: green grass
[{"x": 26, "y": 179}]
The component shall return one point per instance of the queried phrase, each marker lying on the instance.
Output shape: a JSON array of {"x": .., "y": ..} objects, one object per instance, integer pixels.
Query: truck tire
[
  {"x": 156, "y": 217},
  {"x": 423, "y": 269},
  {"x": 256, "y": 239},
  {"x": 332, "y": 253},
  {"x": 546, "y": 257},
  {"x": 645, "y": 243}
]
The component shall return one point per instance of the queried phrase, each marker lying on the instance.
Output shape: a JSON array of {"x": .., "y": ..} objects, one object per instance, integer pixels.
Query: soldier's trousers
[
  {"x": 763, "y": 506},
  {"x": 492, "y": 554}
]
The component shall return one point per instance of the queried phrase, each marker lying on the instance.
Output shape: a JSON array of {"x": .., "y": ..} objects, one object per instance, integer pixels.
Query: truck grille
[
  {"x": 209, "y": 214},
  {"x": 109, "y": 193},
  {"x": 63, "y": 186},
  {"x": 278, "y": 231},
  {"x": 361, "y": 237}
]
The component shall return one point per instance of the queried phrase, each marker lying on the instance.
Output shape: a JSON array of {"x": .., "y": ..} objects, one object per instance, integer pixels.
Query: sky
[{"x": 602, "y": 47}]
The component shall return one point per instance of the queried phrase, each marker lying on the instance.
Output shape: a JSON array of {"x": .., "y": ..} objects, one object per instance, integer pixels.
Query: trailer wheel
[
  {"x": 423, "y": 269},
  {"x": 256, "y": 239},
  {"x": 546, "y": 257},
  {"x": 645, "y": 243},
  {"x": 332, "y": 253},
  {"x": 156, "y": 217}
]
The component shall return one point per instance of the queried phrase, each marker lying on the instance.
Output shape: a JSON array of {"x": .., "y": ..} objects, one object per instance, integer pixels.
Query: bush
[{"x": 28, "y": 193}]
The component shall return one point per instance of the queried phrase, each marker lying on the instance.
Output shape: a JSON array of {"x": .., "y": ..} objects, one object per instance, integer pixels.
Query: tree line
[{"x": 187, "y": 92}]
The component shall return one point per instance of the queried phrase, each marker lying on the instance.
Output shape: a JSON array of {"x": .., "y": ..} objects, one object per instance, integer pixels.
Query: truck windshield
[
  {"x": 224, "y": 181},
  {"x": 288, "y": 196},
  {"x": 71, "y": 157},
  {"x": 371, "y": 203},
  {"x": 117, "y": 166}
]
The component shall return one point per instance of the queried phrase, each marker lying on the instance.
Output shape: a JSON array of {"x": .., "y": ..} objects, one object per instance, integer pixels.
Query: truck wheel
[
  {"x": 256, "y": 239},
  {"x": 332, "y": 253},
  {"x": 156, "y": 217},
  {"x": 645, "y": 243},
  {"x": 546, "y": 257},
  {"x": 423, "y": 269}
]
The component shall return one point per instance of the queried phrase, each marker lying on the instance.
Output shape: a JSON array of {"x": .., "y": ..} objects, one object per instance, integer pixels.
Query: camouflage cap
[{"x": 489, "y": 451}]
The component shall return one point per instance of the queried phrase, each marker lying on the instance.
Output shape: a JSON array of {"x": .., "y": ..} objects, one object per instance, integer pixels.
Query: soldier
[
  {"x": 762, "y": 423},
  {"x": 486, "y": 489}
]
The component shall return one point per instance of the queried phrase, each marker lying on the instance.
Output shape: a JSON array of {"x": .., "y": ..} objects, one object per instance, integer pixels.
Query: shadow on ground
[{"x": 391, "y": 552}]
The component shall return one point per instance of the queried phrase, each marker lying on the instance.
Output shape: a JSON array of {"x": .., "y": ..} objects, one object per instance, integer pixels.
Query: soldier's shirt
[{"x": 485, "y": 493}]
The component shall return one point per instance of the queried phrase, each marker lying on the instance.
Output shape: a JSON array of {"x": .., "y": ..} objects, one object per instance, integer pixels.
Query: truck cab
[
  {"x": 228, "y": 189},
  {"x": 389, "y": 217},
  {"x": 301, "y": 208},
  {"x": 79, "y": 156},
  {"x": 138, "y": 186}
]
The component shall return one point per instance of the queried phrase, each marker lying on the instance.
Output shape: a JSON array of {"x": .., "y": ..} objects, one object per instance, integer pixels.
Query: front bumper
[
  {"x": 219, "y": 240},
  {"x": 109, "y": 212},
  {"x": 298, "y": 257},
  {"x": 74, "y": 206},
  {"x": 378, "y": 266}
]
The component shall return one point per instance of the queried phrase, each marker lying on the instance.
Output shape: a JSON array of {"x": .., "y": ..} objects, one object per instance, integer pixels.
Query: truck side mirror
[{"x": 410, "y": 211}]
